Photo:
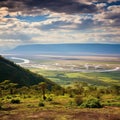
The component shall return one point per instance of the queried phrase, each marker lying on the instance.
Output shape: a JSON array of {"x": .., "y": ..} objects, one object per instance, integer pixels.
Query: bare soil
[{"x": 106, "y": 113}]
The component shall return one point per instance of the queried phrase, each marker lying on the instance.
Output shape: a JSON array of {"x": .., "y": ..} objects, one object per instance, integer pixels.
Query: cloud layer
[
  {"x": 59, "y": 21},
  {"x": 60, "y": 6}
]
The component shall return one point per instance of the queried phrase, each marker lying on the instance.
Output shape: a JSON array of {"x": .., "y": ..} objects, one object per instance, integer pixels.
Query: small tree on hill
[
  {"x": 12, "y": 87},
  {"x": 79, "y": 88},
  {"x": 43, "y": 86}
]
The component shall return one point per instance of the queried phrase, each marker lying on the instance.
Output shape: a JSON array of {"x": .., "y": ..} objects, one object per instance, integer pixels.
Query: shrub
[
  {"x": 0, "y": 105},
  {"x": 15, "y": 101},
  {"x": 71, "y": 103},
  {"x": 78, "y": 100},
  {"x": 8, "y": 97},
  {"x": 91, "y": 103},
  {"x": 49, "y": 99},
  {"x": 41, "y": 104},
  {"x": 71, "y": 96},
  {"x": 115, "y": 104}
]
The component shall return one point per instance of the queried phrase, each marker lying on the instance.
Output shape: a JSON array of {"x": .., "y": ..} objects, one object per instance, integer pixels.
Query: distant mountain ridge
[
  {"x": 19, "y": 75},
  {"x": 87, "y": 49}
]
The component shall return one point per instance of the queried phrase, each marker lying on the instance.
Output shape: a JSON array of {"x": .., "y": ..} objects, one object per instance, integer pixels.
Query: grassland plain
[
  {"x": 57, "y": 109},
  {"x": 68, "y": 78}
]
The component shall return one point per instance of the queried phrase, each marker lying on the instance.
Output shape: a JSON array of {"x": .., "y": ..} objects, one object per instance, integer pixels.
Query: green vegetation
[
  {"x": 66, "y": 78},
  {"x": 41, "y": 104},
  {"x": 81, "y": 94},
  {"x": 91, "y": 103},
  {"x": 15, "y": 101},
  {"x": 78, "y": 100},
  {"x": 43, "y": 88},
  {"x": 27, "y": 101}
]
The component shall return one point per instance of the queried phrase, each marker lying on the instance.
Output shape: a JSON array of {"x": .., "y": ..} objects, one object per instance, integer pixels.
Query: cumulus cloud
[
  {"x": 60, "y": 6},
  {"x": 3, "y": 11},
  {"x": 110, "y": 17}
]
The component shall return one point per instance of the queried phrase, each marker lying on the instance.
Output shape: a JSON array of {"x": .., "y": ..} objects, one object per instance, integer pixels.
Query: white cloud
[
  {"x": 110, "y": 17},
  {"x": 3, "y": 11},
  {"x": 114, "y": 8},
  {"x": 110, "y": 1}
]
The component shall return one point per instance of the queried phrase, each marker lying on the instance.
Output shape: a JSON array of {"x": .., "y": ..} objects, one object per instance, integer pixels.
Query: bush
[
  {"x": 49, "y": 99},
  {"x": 71, "y": 103},
  {"x": 115, "y": 104},
  {"x": 15, "y": 101},
  {"x": 0, "y": 105},
  {"x": 41, "y": 104},
  {"x": 8, "y": 97},
  {"x": 71, "y": 96},
  {"x": 78, "y": 100},
  {"x": 91, "y": 103}
]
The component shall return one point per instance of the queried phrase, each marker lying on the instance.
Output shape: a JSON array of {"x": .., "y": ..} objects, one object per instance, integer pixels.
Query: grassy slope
[{"x": 17, "y": 74}]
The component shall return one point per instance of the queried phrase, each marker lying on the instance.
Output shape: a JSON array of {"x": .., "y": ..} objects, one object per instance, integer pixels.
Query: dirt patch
[
  {"x": 94, "y": 116},
  {"x": 63, "y": 114}
]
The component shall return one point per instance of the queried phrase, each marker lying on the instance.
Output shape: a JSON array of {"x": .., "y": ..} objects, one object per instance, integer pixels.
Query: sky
[{"x": 58, "y": 21}]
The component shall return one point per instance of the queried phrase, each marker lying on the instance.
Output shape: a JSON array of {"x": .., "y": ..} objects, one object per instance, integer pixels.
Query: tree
[
  {"x": 79, "y": 88},
  {"x": 70, "y": 91},
  {"x": 3, "y": 86},
  {"x": 115, "y": 89},
  {"x": 24, "y": 90},
  {"x": 43, "y": 86},
  {"x": 7, "y": 85},
  {"x": 12, "y": 87}
]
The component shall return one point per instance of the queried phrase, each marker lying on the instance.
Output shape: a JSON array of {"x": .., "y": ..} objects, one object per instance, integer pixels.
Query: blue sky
[{"x": 58, "y": 21}]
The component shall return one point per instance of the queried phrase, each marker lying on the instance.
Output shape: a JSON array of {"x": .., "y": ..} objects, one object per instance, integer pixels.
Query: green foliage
[
  {"x": 1, "y": 104},
  {"x": 41, "y": 104},
  {"x": 91, "y": 103},
  {"x": 15, "y": 101},
  {"x": 71, "y": 103},
  {"x": 115, "y": 89},
  {"x": 112, "y": 104},
  {"x": 78, "y": 100},
  {"x": 79, "y": 87},
  {"x": 94, "y": 78},
  {"x": 8, "y": 97},
  {"x": 49, "y": 99}
]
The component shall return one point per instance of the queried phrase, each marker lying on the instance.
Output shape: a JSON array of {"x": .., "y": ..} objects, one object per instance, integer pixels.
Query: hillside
[
  {"x": 75, "y": 49},
  {"x": 17, "y": 74}
]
